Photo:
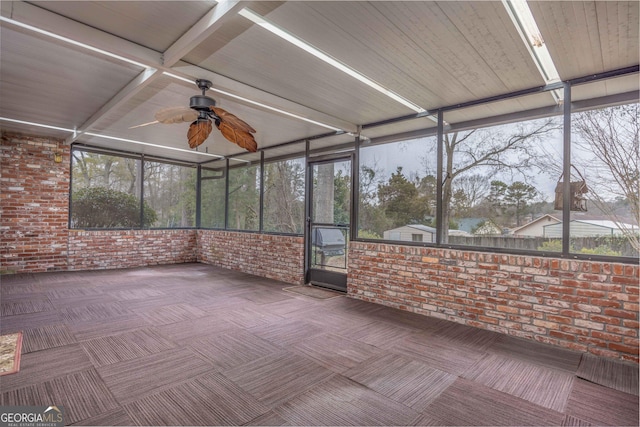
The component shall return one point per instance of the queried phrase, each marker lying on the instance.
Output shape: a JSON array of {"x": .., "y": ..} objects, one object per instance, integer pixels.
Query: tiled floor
[{"x": 193, "y": 344}]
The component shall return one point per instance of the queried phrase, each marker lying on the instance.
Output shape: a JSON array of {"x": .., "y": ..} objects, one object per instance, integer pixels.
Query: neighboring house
[
  {"x": 487, "y": 228},
  {"x": 411, "y": 233},
  {"x": 468, "y": 224},
  {"x": 588, "y": 228},
  {"x": 535, "y": 228},
  {"x": 461, "y": 233}
]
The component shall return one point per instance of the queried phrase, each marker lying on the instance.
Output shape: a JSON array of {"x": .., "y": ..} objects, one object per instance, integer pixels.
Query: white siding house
[
  {"x": 584, "y": 228},
  {"x": 535, "y": 228},
  {"x": 411, "y": 233}
]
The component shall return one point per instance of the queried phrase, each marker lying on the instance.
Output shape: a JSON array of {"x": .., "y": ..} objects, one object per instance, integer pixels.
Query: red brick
[
  {"x": 606, "y": 336},
  {"x": 574, "y": 330},
  {"x": 622, "y": 331},
  {"x": 625, "y": 280},
  {"x": 605, "y": 319},
  {"x": 592, "y": 341},
  {"x": 559, "y": 319},
  {"x": 562, "y": 335},
  {"x": 630, "y": 349},
  {"x": 591, "y": 293},
  {"x": 621, "y": 313}
]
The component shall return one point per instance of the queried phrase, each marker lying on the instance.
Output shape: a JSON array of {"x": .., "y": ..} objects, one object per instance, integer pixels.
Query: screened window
[
  {"x": 244, "y": 197},
  {"x": 113, "y": 191},
  {"x": 397, "y": 188},
  {"x": 170, "y": 191},
  {"x": 605, "y": 156},
  {"x": 105, "y": 192},
  {"x": 499, "y": 185},
  {"x": 284, "y": 196},
  {"x": 212, "y": 185}
]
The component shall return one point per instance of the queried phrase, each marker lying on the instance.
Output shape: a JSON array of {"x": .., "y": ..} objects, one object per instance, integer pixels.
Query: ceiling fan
[{"x": 201, "y": 112}]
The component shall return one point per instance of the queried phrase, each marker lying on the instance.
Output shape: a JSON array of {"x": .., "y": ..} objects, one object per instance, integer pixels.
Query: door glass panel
[
  {"x": 330, "y": 213},
  {"x": 329, "y": 248},
  {"x": 332, "y": 193}
]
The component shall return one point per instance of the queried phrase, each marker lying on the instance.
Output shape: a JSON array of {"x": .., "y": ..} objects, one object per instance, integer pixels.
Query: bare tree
[
  {"x": 510, "y": 148},
  {"x": 474, "y": 186},
  {"x": 606, "y": 148}
]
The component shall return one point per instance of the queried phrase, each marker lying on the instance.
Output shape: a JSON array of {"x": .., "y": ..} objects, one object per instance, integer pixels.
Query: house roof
[
  {"x": 422, "y": 228},
  {"x": 535, "y": 221},
  {"x": 601, "y": 223},
  {"x": 607, "y": 224}
]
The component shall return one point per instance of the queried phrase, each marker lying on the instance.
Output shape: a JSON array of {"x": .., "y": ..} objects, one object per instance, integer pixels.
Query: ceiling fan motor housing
[{"x": 201, "y": 102}]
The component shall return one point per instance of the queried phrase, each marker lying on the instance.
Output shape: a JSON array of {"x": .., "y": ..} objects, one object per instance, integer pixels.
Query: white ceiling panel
[
  {"x": 470, "y": 49},
  {"x": 45, "y": 82},
  {"x": 261, "y": 59},
  {"x": 589, "y": 37},
  {"x": 154, "y": 24},
  {"x": 606, "y": 88},
  {"x": 502, "y": 108}
]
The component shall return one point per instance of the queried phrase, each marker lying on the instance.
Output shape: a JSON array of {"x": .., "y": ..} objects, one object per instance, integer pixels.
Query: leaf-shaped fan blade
[
  {"x": 235, "y": 130},
  {"x": 198, "y": 132},
  {"x": 232, "y": 120},
  {"x": 176, "y": 115},
  {"x": 238, "y": 136}
]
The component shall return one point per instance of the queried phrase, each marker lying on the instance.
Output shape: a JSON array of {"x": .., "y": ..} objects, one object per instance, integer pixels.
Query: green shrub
[
  {"x": 99, "y": 207},
  {"x": 368, "y": 234},
  {"x": 600, "y": 250},
  {"x": 551, "y": 246},
  {"x": 556, "y": 246}
]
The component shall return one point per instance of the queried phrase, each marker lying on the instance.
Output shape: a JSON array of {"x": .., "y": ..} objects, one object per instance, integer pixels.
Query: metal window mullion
[
  {"x": 198, "y": 195},
  {"x": 566, "y": 169},
  {"x": 355, "y": 190},
  {"x": 261, "y": 207},
  {"x": 439, "y": 170},
  {"x": 70, "y": 196},
  {"x": 141, "y": 183},
  {"x": 308, "y": 176},
  {"x": 226, "y": 195}
]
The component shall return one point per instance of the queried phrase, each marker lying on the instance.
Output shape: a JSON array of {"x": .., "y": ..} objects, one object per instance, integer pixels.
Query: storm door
[{"x": 328, "y": 222}]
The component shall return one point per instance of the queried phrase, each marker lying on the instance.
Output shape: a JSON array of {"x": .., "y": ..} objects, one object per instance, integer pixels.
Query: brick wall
[
  {"x": 93, "y": 250},
  {"x": 267, "y": 255},
  {"x": 34, "y": 212},
  {"x": 34, "y": 204},
  {"x": 581, "y": 305}
]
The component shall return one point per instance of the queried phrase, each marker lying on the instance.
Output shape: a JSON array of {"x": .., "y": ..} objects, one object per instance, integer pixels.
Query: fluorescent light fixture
[
  {"x": 239, "y": 160},
  {"x": 22, "y": 122},
  {"x": 259, "y": 104},
  {"x": 133, "y": 141},
  {"x": 70, "y": 41},
  {"x": 184, "y": 79},
  {"x": 257, "y": 19},
  {"x": 525, "y": 23}
]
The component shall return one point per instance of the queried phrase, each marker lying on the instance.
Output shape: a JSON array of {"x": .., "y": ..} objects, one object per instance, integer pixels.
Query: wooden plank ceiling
[{"x": 434, "y": 54}]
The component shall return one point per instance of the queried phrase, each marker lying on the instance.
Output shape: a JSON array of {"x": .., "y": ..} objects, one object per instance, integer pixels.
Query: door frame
[{"x": 330, "y": 279}]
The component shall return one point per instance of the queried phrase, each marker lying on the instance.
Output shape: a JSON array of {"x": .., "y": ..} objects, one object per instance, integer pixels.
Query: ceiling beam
[
  {"x": 206, "y": 26},
  {"x": 131, "y": 89}
]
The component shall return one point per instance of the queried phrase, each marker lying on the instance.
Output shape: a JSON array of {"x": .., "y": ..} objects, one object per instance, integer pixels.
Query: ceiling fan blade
[
  {"x": 176, "y": 115},
  {"x": 232, "y": 120},
  {"x": 198, "y": 132},
  {"x": 238, "y": 136}
]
